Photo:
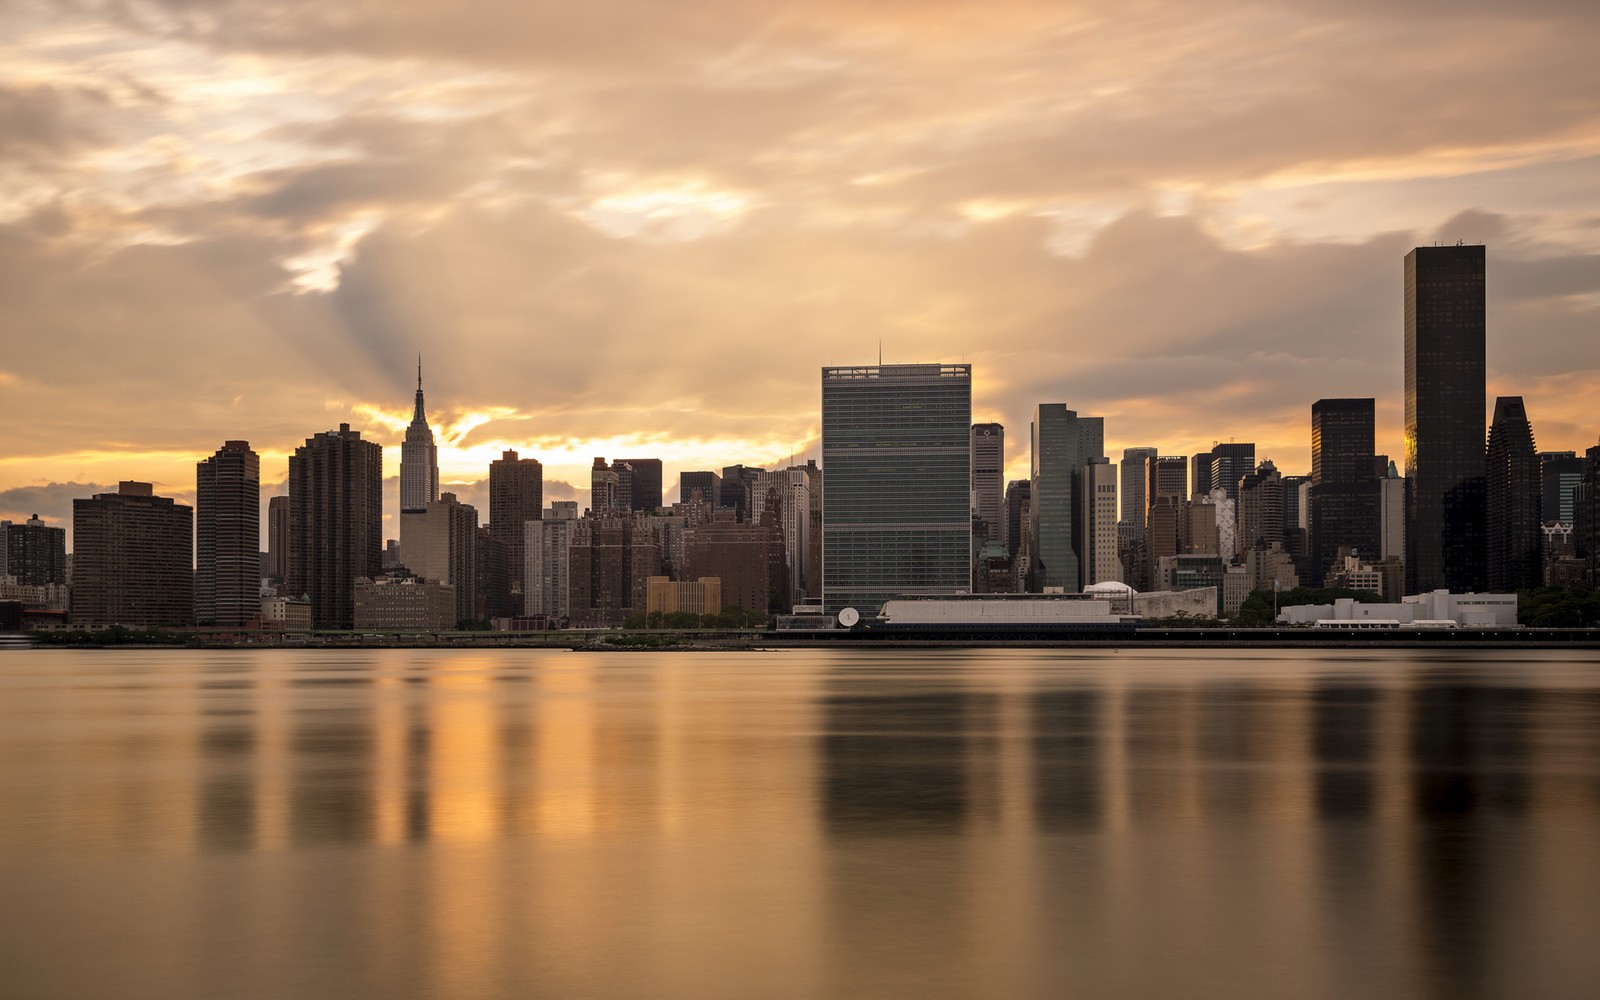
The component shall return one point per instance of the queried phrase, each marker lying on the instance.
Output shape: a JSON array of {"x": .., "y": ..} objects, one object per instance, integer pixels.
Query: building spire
[{"x": 417, "y": 417}]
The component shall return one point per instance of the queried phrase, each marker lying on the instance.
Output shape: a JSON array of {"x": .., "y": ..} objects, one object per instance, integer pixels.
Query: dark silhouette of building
[
  {"x": 1230, "y": 462},
  {"x": 1445, "y": 388},
  {"x": 227, "y": 582},
  {"x": 1200, "y": 483},
  {"x": 516, "y": 496},
  {"x": 707, "y": 484},
  {"x": 132, "y": 559},
  {"x": 33, "y": 552},
  {"x": 1062, "y": 444},
  {"x": 278, "y": 539},
  {"x": 494, "y": 579},
  {"x": 1165, "y": 476},
  {"x": 335, "y": 522},
  {"x": 1019, "y": 494},
  {"x": 1512, "y": 497},
  {"x": 1343, "y": 498},
  {"x": 645, "y": 483},
  {"x": 1586, "y": 517},
  {"x": 737, "y": 481},
  {"x": 1560, "y": 472},
  {"x": 1135, "y": 483}
]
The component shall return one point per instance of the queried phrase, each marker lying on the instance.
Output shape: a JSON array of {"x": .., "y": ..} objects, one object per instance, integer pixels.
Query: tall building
[
  {"x": 1200, "y": 474},
  {"x": 547, "y": 550},
  {"x": 1392, "y": 519},
  {"x": 707, "y": 484},
  {"x": 1511, "y": 493},
  {"x": 1135, "y": 481},
  {"x": 1019, "y": 496},
  {"x": 1097, "y": 523},
  {"x": 516, "y": 496},
  {"x": 132, "y": 559},
  {"x": 735, "y": 491},
  {"x": 1166, "y": 476},
  {"x": 645, "y": 483},
  {"x": 748, "y": 559},
  {"x": 1230, "y": 462},
  {"x": 1063, "y": 443},
  {"x": 1445, "y": 389},
  {"x": 896, "y": 443},
  {"x": 1344, "y": 490},
  {"x": 33, "y": 552},
  {"x": 1260, "y": 510},
  {"x": 988, "y": 482},
  {"x": 336, "y": 522},
  {"x": 450, "y": 551},
  {"x": 419, "y": 472},
  {"x": 278, "y": 538},
  {"x": 227, "y": 581},
  {"x": 1560, "y": 472}
]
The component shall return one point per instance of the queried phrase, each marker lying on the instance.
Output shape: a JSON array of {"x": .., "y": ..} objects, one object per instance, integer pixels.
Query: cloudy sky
[{"x": 636, "y": 228}]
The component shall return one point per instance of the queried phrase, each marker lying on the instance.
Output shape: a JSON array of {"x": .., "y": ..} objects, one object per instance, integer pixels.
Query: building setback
[
  {"x": 419, "y": 471},
  {"x": 335, "y": 522},
  {"x": 1445, "y": 389},
  {"x": 227, "y": 582},
  {"x": 132, "y": 560},
  {"x": 896, "y": 443},
  {"x": 1512, "y": 498}
]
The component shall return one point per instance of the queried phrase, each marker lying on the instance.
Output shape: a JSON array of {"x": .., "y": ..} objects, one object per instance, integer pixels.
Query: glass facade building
[
  {"x": 896, "y": 448},
  {"x": 1445, "y": 391},
  {"x": 1063, "y": 443}
]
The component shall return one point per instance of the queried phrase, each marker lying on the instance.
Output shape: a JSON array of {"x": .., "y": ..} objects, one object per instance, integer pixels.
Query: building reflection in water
[{"x": 967, "y": 822}]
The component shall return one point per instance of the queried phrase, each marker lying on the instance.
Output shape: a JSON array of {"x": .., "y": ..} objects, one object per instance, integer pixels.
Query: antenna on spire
[{"x": 419, "y": 371}]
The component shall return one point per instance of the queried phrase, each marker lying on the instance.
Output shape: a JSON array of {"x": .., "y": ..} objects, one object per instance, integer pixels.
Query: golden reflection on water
[{"x": 945, "y": 823}]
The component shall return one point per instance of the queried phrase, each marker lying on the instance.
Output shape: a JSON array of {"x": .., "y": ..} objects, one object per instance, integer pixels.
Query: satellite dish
[{"x": 848, "y": 617}]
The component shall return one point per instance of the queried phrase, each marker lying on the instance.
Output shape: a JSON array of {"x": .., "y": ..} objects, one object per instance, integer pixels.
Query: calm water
[{"x": 463, "y": 824}]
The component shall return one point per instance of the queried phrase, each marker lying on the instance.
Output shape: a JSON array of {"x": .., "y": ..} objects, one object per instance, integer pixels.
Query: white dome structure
[{"x": 1110, "y": 588}]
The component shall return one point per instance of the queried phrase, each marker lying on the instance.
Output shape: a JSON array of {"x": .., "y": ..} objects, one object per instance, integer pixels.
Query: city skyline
[{"x": 247, "y": 226}]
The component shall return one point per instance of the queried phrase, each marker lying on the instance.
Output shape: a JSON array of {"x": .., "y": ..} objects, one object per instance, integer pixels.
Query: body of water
[{"x": 802, "y": 823}]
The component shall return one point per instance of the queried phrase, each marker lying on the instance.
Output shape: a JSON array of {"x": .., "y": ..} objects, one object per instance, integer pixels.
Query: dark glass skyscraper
[
  {"x": 516, "y": 496},
  {"x": 1063, "y": 443},
  {"x": 896, "y": 442},
  {"x": 1230, "y": 462},
  {"x": 1445, "y": 387},
  {"x": 1344, "y": 485},
  {"x": 1512, "y": 495},
  {"x": 227, "y": 505},
  {"x": 335, "y": 522}
]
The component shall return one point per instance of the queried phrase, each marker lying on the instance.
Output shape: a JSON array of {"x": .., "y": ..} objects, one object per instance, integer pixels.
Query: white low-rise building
[{"x": 1436, "y": 609}]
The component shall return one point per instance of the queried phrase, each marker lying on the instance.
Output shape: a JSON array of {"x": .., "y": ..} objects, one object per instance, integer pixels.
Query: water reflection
[{"x": 941, "y": 824}]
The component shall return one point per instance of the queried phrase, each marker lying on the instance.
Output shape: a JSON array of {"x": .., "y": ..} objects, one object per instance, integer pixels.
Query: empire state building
[{"x": 419, "y": 474}]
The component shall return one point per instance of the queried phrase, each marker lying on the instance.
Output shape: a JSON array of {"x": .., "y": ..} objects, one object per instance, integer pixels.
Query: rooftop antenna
[{"x": 880, "y": 352}]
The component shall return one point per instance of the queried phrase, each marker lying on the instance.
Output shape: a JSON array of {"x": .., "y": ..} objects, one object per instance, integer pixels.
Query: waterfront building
[
  {"x": 405, "y": 604},
  {"x": 1063, "y": 442},
  {"x": 227, "y": 582},
  {"x": 278, "y": 539},
  {"x": 133, "y": 561},
  {"x": 610, "y": 560},
  {"x": 667, "y": 596},
  {"x": 1511, "y": 493},
  {"x": 547, "y": 549},
  {"x": 1445, "y": 389},
  {"x": 516, "y": 495},
  {"x": 896, "y": 513},
  {"x": 747, "y": 558},
  {"x": 1343, "y": 498},
  {"x": 33, "y": 552},
  {"x": 495, "y": 598},
  {"x": 336, "y": 522}
]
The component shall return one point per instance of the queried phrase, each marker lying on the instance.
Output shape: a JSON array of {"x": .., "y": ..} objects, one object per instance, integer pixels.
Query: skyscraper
[
  {"x": 988, "y": 481},
  {"x": 1560, "y": 472},
  {"x": 33, "y": 552},
  {"x": 336, "y": 522},
  {"x": 1097, "y": 522},
  {"x": 1445, "y": 387},
  {"x": 419, "y": 472},
  {"x": 132, "y": 559},
  {"x": 1063, "y": 443},
  {"x": 1200, "y": 483},
  {"x": 1260, "y": 509},
  {"x": 450, "y": 541},
  {"x": 1344, "y": 487},
  {"x": 1512, "y": 495},
  {"x": 708, "y": 484},
  {"x": 227, "y": 582},
  {"x": 516, "y": 496},
  {"x": 646, "y": 483},
  {"x": 1134, "y": 483},
  {"x": 1230, "y": 462},
  {"x": 896, "y": 444},
  {"x": 278, "y": 538}
]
